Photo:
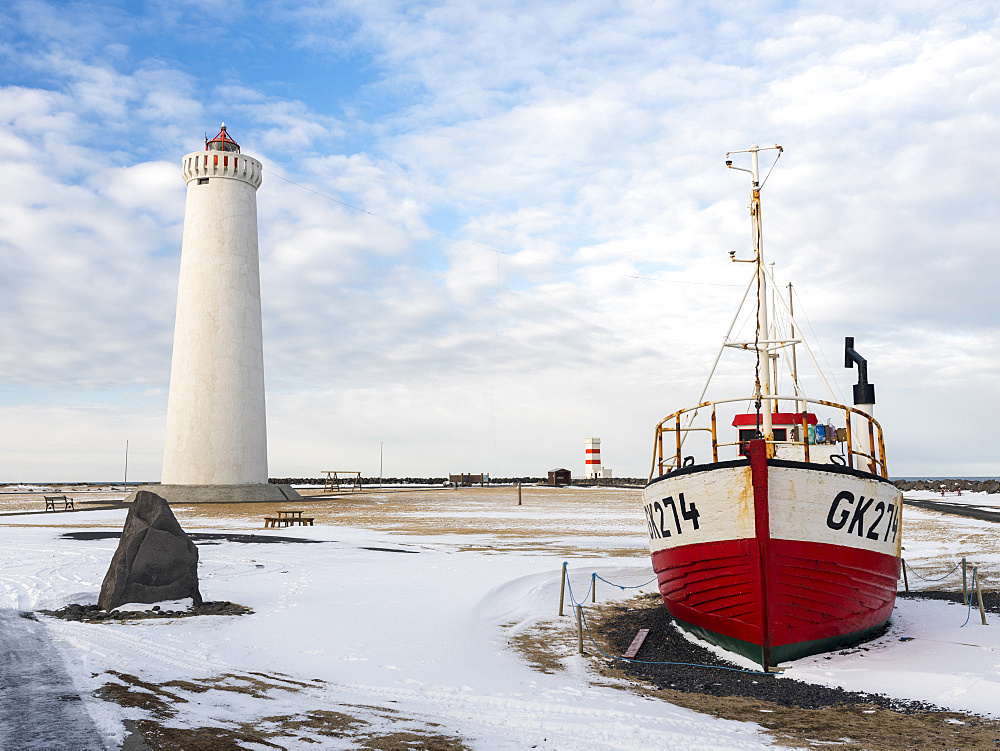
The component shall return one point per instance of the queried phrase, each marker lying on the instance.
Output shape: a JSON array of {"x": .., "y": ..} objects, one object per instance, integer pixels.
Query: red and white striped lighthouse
[{"x": 592, "y": 470}]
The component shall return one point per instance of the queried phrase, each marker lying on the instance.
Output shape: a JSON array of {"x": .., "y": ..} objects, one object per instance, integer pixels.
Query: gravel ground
[
  {"x": 93, "y": 614},
  {"x": 665, "y": 644},
  {"x": 794, "y": 713},
  {"x": 991, "y": 600}
]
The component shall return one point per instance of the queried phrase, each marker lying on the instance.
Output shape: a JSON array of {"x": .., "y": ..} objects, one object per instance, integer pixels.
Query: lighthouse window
[{"x": 203, "y": 181}]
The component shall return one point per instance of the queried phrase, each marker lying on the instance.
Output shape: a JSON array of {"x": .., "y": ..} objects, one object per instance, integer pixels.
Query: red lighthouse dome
[{"x": 222, "y": 142}]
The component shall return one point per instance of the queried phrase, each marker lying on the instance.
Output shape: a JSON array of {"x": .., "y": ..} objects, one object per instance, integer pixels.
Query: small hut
[
  {"x": 465, "y": 480},
  {"x": 559, "y": 477}
]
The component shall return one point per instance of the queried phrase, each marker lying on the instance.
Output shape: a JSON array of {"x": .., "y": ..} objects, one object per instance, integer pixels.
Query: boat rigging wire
[
  {"x": 805, "y": 343},
  {"x": 780, "y": 152}
]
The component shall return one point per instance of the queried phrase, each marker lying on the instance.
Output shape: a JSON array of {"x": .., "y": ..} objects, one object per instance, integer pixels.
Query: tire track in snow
[
  {"x": 562, "y": 716},
  {"x": 573, "y": 722}
]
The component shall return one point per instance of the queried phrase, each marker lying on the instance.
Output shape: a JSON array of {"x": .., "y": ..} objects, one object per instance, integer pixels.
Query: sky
[{"x": 488, "y": 233}]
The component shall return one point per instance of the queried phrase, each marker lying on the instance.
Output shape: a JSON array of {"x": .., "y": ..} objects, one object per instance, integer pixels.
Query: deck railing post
[
  {"x": 677, "y": 433},
  {"x": 850, "y": 440},
  {"x": 659, "y": 443},
  {"x": 715, "y": 438},
  {"x": 881, "y": 453},
  {"x": 871, "y": 446},
  {"x": 805, "y": 433}
]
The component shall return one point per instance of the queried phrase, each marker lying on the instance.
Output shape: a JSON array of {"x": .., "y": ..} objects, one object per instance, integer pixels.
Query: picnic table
[
  {"x": 52, "y": 500},
  {"x": 288, "y": 518}
]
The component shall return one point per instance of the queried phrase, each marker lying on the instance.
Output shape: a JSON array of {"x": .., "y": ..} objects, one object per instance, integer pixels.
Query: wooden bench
[{"x": 51, "y": 500}]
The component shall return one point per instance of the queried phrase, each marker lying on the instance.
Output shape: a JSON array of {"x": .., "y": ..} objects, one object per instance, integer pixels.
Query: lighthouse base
[{"x": 255, "y": 493}]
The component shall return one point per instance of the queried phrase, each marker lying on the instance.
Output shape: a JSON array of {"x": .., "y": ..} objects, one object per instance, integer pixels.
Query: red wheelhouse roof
[{"x": 777, "y": 418}]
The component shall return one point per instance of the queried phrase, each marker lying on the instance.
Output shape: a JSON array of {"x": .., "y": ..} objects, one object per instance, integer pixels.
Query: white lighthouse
[{"x": 215, "y": 446}]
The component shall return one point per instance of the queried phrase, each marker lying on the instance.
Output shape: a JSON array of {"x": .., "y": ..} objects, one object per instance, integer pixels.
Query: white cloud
[{"x": 586, "y": 144}]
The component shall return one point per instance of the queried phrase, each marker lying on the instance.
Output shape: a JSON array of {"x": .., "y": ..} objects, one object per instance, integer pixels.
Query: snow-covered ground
[{"x": 412, "y": 629}]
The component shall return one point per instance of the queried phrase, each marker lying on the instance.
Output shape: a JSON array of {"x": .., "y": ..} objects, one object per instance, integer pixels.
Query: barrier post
[
  {"x": 579, "y": 626},
  {"x": 965, "y": 596},
  {"x": 593, "y": 587},
  {"x": 519, "y": 494},
  {"x": 979, "y": 592},
  {"x": 906, "y": 582},
  {"x": 562, "y": 588}
]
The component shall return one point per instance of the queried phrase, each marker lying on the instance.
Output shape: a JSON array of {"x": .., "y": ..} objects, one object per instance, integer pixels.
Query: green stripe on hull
[{"x": 781, "y": 653}]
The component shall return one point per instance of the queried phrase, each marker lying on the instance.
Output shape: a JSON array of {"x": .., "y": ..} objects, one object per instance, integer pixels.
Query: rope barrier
[
  {"x": 573, "y": 601},
  {"x": 579, "y": 606},
  {"x": 967, "y": 615},
  {"x": 941, "y": 578},
  {"x": 622, "y": 587},
  {"x": 653, "y": 662},
  {"x": 966, "y": 596}
]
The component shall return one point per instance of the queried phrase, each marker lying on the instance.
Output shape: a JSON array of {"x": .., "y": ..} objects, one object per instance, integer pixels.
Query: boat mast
[
  {"x": 762, "y": 387},
  {"x": 764, "y": 377}
]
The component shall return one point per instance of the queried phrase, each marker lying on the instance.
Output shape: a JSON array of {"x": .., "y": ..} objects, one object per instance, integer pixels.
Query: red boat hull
[
  {"x": 819, "y": 596},
  {"x": 770, "y": 598}
]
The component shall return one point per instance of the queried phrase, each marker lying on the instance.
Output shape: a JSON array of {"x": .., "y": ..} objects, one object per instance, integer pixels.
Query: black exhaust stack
[{"x": 864, "y": 392}]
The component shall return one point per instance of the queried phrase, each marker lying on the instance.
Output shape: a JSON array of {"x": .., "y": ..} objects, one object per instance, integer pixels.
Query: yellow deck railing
[{"x": 871, "y": 460}]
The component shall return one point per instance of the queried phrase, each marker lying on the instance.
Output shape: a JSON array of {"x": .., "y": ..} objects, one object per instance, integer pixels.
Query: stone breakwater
[{"x": 969, "y": 486}]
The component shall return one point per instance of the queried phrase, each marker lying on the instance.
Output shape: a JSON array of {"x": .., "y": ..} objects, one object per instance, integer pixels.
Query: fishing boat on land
[{"x": 777, "y": 535}]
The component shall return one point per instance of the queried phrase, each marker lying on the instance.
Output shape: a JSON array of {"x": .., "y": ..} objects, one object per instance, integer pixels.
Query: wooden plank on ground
[{"x": 636, "y": 645}]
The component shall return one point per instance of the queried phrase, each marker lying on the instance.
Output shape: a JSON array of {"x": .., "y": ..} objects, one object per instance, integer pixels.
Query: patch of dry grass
[
  {"x": 379, "y": 729},
  {"x": 542, "y": 644},
  {"x": 561, "y": 521}
]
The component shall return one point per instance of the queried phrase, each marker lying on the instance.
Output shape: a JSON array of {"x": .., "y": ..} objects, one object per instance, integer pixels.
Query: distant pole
[
  {"x": 126, "y": 462},
  {"x": 380, "y": 464}
]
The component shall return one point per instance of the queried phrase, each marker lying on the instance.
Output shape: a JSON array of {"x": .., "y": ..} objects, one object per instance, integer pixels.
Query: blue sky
[{"x": 541, "y": 250}]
